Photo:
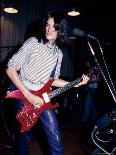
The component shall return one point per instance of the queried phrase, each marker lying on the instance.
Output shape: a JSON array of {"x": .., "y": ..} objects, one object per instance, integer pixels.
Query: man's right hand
[{"x": 35, "y": 100}]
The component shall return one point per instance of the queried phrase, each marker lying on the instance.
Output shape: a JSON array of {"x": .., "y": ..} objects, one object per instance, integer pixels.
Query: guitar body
[{"x": 29, "y": 114}]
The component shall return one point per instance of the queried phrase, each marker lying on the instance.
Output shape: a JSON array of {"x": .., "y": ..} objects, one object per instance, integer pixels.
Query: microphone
[{"x": 78, "y": 32}]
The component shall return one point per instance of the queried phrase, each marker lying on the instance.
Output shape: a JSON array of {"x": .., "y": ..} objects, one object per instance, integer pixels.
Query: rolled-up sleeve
[{"x": 19, "y": 58}]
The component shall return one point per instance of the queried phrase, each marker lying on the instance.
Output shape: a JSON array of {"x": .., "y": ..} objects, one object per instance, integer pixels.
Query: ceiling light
[
  {"x": 73, "y": 12},
  {"x": 10, "y": 10}
]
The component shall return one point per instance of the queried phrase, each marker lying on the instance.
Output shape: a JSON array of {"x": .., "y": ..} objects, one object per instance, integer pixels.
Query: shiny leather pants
[{"x": 50, "y": 125}]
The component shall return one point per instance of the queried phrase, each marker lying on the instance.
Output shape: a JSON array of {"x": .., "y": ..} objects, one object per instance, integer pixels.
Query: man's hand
[
  {"x": 35, "y": 100},
  {"x": 84, "y": 81}
]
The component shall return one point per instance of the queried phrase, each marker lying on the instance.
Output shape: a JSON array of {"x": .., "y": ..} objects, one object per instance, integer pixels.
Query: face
[{"x": 50, "y": 32}]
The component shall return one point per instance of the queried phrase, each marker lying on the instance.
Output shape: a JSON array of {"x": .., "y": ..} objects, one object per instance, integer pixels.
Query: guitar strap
[{"x": 54, "y": 69}]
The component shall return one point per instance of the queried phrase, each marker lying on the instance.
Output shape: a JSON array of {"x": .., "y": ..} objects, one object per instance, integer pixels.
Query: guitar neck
[{"x": 68, "y": 86}]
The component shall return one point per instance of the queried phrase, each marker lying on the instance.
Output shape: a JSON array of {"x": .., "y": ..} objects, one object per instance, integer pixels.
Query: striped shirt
[{"x": 36, "y": 61}]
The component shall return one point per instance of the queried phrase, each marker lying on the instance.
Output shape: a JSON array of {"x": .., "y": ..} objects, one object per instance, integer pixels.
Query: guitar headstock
[{"x": 94, "y": 74}]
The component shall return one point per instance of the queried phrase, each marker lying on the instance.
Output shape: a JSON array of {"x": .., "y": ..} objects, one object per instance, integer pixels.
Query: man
[{"x": 30, "y": 69}]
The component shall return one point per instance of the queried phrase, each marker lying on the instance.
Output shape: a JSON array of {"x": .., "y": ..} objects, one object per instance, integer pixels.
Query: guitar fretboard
[{"x": 63, "y": 89}]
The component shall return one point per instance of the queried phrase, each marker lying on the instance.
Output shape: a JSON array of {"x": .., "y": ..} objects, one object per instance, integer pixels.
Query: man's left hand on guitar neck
[
  {"x": 85, "y": 80},
  {"x": 62, "y": 83}
]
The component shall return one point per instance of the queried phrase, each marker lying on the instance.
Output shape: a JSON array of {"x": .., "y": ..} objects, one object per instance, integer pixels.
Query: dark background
[{"x": 97, "y": 17}]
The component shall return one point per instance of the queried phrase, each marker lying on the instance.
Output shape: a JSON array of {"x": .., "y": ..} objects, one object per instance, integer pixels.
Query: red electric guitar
[{"x": 29, "y": 114}]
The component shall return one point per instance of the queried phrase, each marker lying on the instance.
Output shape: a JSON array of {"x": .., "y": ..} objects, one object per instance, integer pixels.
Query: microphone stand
[
  {"x": 112, "y": 91},
  {"x": 109, "y": 87},
  {"x": 106, "y": 66}
]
